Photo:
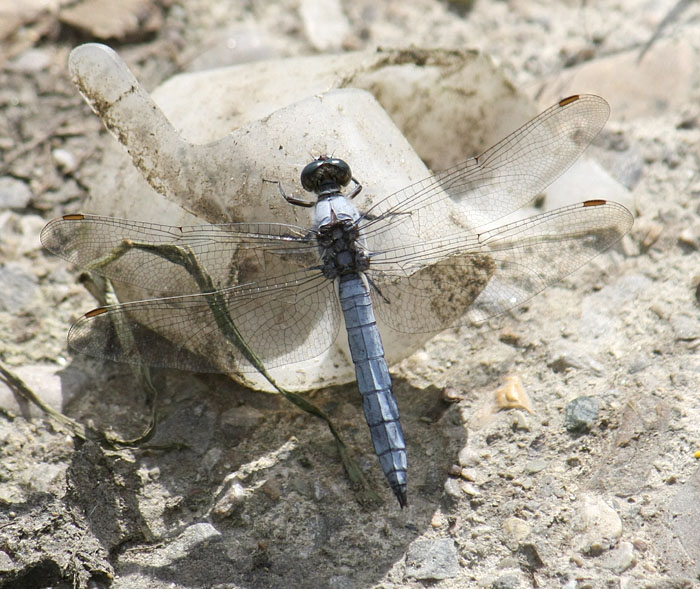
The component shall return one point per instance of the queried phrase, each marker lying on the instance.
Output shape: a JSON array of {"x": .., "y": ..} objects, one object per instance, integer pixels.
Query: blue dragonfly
[{"x": 282, "y": 289}]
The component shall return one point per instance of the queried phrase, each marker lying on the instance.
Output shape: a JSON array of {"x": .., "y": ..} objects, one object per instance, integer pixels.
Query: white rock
[
  {"x": 325, "y": 23},
  {"x": 65, "y": 160},
  {"x": 599, "y": 525},
  {"x": 620, "y": 559}
]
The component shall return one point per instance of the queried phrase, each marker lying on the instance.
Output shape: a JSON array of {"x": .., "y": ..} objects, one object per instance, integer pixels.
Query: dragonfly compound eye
[{"x": 325, "y": 172}]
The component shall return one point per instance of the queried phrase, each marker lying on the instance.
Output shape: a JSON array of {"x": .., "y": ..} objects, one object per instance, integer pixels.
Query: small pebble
[
  {"x": 453, "y": 489},
  {"x": 620, "y": 559},
  {"x": 512, "y": 395},
  {"x": 506, "y": 582},
  {"x": 470, "y": 474},
  {"x": 468, "y": 457},
  {"x": 65, "y": 160},
  {"x": 685, "y": 327},
  {"x": 532, "y": 555},
  {"x": 581, "y": 414},
  {"x": 600, "y": 524},
  {"x": 432, "y": 560},
  {"x": 687, "y": 239},
  {"x": 232, "y": 499},
  {"x": 14, "y": 194},
  {"x": 516, "y": 531},
  {"x": 470, "y": 489},
  {"x": 520, "y": 422},
  {"x": 32, "y": 61},
  {"x": 535, "y": 466},
  {"x": 325, "y": 23}
]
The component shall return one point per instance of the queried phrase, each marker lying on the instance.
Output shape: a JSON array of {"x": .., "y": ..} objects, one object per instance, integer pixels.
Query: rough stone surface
[
  {"x": 432, "y": 560},
  {"x": 259, "y": 499}
]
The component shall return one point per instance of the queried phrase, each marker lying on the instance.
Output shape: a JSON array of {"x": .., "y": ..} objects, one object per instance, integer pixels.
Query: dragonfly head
[{"x": 325, "y": 174}]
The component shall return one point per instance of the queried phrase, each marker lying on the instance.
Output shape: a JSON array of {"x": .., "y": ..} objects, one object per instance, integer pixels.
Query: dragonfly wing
[
  {"x": 285, "y": 320},
  {"x": 474, "y": 276},
  {"x": 142, "y": 253},
  {"x": 492, "y": 185}
]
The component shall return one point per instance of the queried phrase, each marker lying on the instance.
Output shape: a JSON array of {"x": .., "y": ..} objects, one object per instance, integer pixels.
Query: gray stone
[
  {"x": 581, "y": 414},
  {"x": 17, "y": 288},
  {"x": 685, "y": 327},
  {"x": 535, "y": 466},
  {"x": 506, "y": 582},
  {"x": 570, "y": 355},
  {"x": 638, "y": 364},
  {"x": 14, "y": 194},
  {"x": 342, "y": 582},
  {"x": 6, "y": 563},
  {"x": 432, "y": 559},
  {"x": 453, "y": 489},
  {"x": 31, "y": 61}
]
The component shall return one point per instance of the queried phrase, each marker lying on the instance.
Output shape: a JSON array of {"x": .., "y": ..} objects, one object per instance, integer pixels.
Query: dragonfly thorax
[{"x": 341, "y": 251}]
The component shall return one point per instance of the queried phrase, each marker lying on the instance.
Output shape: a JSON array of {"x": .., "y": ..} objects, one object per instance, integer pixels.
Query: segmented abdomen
[{"x": 374, "y": 381}]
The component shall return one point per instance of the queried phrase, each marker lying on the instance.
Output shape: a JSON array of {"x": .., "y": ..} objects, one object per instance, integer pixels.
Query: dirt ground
[{"x": 240, "y": 489}]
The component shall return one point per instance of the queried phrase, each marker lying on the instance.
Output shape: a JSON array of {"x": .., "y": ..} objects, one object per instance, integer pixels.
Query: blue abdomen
[{"x": 374, "y": 381}]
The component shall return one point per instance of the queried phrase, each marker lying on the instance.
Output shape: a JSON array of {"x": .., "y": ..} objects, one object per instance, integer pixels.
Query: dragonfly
[{"x": 423, "y": 259}]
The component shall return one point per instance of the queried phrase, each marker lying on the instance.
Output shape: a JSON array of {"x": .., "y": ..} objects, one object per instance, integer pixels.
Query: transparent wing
[
  {"x": 285, "y": 320},
  {"x": 134, "y": 252},
  {"x": 490, "y": 186},
  {"x": 470, "y": 277}
]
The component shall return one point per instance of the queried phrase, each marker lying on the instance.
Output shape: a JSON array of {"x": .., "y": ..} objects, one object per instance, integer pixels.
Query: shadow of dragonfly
[{"x": 423, "y": 259}]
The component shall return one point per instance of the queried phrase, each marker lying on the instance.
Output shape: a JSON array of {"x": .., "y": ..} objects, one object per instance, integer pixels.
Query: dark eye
[
  {"x": 341, "y": 171},
  {"x": 324, "y": 172},
  {"x": 309, "y": 175}
]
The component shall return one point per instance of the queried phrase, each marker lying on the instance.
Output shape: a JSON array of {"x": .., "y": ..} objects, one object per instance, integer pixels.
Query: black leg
[{"x": 292, "y": 200}]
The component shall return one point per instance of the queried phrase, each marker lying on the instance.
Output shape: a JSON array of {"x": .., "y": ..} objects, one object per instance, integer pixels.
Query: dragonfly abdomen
[{"x": 374, "y": 381}]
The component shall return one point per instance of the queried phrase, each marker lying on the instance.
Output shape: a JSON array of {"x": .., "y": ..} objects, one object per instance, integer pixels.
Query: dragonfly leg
[
  {"x": 292, "y": 200},
  {"x": 355, "y": 191}
]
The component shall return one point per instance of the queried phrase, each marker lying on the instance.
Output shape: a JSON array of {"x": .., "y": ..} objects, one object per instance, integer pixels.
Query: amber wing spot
[{"x": 568, "y": 100}]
